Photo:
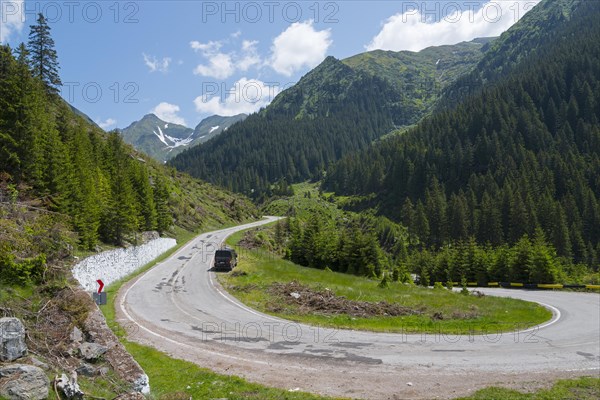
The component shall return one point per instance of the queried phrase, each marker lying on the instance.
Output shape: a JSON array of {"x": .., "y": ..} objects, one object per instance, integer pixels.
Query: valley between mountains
[{"x": 434, "y": 215}]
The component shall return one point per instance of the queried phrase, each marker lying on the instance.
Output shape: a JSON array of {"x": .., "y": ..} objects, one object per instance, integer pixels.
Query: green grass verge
[
  {"x": 586, "y": 388},
  {"x": 175, "y": 379},
  {"x": 304, "y": 203},
  {"x": 107, "y": 387},
  {"x": 461, "y": 314}
]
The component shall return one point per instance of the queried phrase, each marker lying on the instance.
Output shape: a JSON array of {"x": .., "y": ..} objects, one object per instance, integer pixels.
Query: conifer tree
[
  {"x": 421, "y": 223},
  {"x": 408, "y": 218},
  {"x": 521, "y": 265},
  {"x": 23, "y": 56},
  {"x": 10, "y": 161},
  {"x": 543, "y": 269},
  {"x": 164, "y": 220},
  {"x": 44, "y": 60},
  {"x": 562, "y": 242}
]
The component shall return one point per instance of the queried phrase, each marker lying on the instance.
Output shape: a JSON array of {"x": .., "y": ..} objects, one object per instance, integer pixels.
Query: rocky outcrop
[
  {"x": 76, "y": 335},
  {"x": 37, "y": 363},
  {"x": 12, "y": 339},
  {"x": 23, "y": 382},
  {"x": 87, "y": 370},
  {"x": 142, "y": 384},
  {"x": 119, "y": 359},
  {"x": 69, "y": 387},
  {"x": 92, "y": 351}
]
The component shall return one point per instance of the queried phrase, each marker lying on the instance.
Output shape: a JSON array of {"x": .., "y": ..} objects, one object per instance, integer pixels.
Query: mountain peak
[
  {"x": 151, "y": 116},
  {"x": 329, "y": 60},
  {"x": 163, "y": 140}
]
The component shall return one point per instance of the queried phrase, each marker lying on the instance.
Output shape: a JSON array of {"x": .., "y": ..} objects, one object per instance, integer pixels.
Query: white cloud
[
  {"x": 223, "y": 65},
  {"x": 168, "y": 112},
  {"x": 414, "y": 31},
  {"x": 300, "y": 45},
  {"x": 249, "y": 45},
  {"x": 11, "y": 18},
  {"x": 246, "y": 96},
  {"x": 107, "y": 124},
  {"x": 206, "y": 48},
  {"x": 249, "y": 57},
  {"x": 155, "y": 64},
  {"x": 219, "y": 66}
]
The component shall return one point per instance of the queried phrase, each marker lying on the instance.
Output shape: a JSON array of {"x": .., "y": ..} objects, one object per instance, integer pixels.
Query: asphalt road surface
[{"x": 179, "y": 307}]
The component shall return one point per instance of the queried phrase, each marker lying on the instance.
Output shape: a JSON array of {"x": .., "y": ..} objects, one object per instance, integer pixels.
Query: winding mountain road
[{"x": 179, "y": 307}]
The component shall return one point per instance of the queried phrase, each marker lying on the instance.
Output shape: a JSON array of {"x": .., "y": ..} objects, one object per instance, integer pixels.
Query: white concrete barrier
[{"x": 112, "y": 265}]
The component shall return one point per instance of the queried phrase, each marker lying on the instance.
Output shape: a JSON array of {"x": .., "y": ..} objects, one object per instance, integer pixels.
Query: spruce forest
[
  {"x": 500, "y": 182},
  {"x": 391, "y": 225},
  {"x": 351, "y": 110},
  {"x": 515, "y": 164},
  {"x": 65, "y": 183}
]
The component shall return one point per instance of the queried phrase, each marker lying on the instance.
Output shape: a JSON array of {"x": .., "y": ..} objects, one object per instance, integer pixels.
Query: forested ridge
[
  {"x": 520, "y": 160},
  {"x": 337, "y": 108},
  {"x": 320, "y": 234},
  {"x": 65, "y": 183},
  {"x": 293, "y": 138},
  {"x": 539, "y": 27},
  {"x": 420, "y": 77}
]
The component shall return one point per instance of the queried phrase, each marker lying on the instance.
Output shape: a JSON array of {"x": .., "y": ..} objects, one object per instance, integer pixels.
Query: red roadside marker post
[{"x": 100, "y": 296}]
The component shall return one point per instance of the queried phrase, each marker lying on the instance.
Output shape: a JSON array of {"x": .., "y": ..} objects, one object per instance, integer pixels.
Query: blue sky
[{"x": 186, "y": 60}]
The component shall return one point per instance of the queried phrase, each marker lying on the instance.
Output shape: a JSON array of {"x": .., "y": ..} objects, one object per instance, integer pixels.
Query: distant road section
[{"x": 178, "y": 307}]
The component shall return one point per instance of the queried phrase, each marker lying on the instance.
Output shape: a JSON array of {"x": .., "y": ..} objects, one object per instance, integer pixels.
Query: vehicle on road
[{"x": 225, "y": 259}]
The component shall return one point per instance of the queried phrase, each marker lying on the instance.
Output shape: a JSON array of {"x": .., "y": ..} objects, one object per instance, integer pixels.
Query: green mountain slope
[
  {"x": 83, "y": 115},
  {"x": 337, "y": 108},
  {"x": 420, "y": 76},
  {"x": 155, "y": 137},
  {"x": 333, "y": 110},
  {"x": 67, "y": 189},
  {"x": 522, "y": 157},
  {"x": 99, "y": 188},
  {"x": 212, "y": 126},
  {"x": 162, "y": 140},
  {"x": 535, "y": 30}
]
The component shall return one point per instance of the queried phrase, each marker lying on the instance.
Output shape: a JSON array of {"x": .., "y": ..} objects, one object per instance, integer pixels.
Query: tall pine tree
[{"x": 44, "y": 60}]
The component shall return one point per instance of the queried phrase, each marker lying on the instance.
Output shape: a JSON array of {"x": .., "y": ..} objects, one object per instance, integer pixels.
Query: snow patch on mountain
[
  {"x": 214, "y": 128},
  {"x": 180, "y": 142},
  {"x": 174, "y": 142},
  {"x": 161, "y": 136}
]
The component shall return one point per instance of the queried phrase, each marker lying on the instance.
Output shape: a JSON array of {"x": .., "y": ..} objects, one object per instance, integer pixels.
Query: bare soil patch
[{"x": 310, "y": 301}]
